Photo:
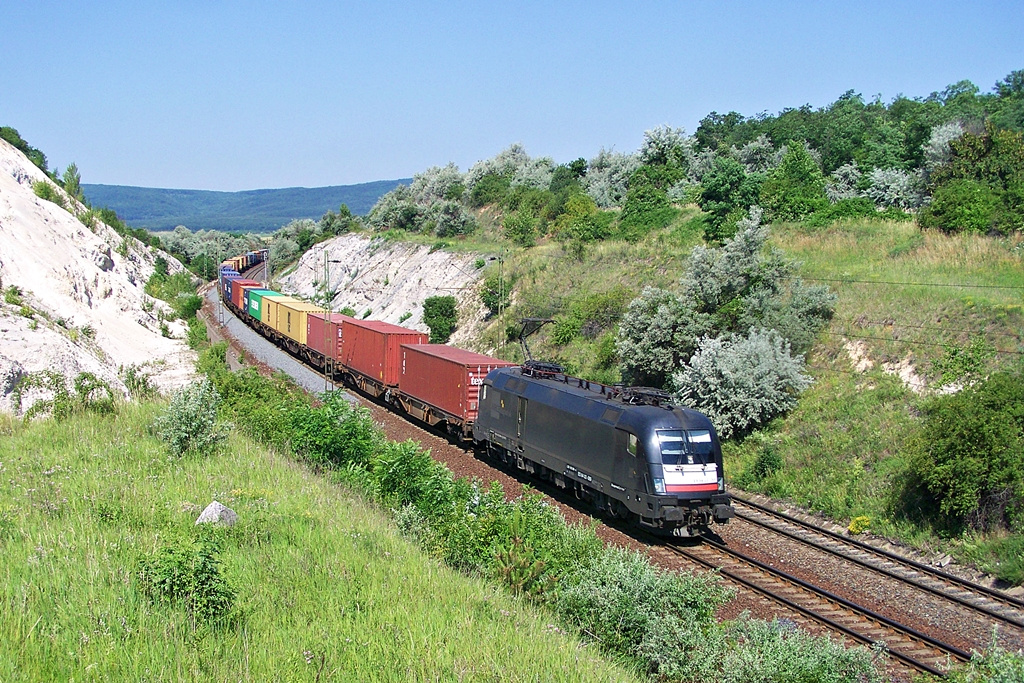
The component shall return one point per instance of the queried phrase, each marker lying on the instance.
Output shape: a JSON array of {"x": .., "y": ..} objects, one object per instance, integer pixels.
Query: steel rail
[
  {"x": 865, "y": 612},
  {"x": 992, "y": 593}
]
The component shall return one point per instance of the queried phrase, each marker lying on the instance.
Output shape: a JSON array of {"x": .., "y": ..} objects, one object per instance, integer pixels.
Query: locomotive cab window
[
  {"x": 631, "y": 444},
  {"x": 685, "y": 447}
]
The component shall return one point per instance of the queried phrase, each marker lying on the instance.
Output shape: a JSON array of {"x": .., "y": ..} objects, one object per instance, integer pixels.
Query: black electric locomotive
[{"x": 630, "y": 452}]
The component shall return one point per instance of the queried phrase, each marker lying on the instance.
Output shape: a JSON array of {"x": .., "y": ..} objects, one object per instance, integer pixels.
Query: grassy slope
[
  {"x": 326, "y": 589},
  {"x": 843, "y": 446}
]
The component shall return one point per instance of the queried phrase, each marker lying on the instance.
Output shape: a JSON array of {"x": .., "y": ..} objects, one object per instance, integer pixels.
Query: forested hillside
[{"x": 249, "y": 211}]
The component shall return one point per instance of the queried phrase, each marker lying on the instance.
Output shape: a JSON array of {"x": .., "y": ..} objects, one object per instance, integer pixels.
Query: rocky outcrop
[
  {"x": 391, "y": 280},
  {"x": 73, "y": 290}
]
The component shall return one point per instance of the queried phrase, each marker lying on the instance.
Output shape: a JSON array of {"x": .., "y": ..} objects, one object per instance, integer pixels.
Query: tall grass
[{"x": 326, "y": 589}]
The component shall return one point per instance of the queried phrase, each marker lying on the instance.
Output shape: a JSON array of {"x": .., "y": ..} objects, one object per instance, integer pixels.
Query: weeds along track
[
  {"x": 987, "y": 603},
  {"x": 912, "y": 649}
]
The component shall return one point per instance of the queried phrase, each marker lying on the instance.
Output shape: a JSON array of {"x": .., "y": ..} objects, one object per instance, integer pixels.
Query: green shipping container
[{"x": 256, "y": 301}]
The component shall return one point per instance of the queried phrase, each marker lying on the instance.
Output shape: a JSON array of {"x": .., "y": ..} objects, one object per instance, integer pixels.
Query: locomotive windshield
[{"x": 686, "y": 447}]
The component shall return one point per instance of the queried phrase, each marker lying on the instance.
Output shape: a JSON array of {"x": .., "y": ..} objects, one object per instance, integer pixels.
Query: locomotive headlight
[{"x": 659, "y": 485}]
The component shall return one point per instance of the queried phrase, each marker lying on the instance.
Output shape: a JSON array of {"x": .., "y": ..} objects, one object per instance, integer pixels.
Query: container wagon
[
  {"x": 440, "y": 384},
  {"x": 371, "y": 353}
]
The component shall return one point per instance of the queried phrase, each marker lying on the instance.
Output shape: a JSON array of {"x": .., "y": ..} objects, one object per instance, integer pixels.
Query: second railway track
[
  {"x": 988, "y": 602},
  {"x": 912, "y": 649}
]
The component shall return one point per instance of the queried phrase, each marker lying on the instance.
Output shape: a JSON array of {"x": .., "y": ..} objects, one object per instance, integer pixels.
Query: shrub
[
  {"x": 440, "y": 315},
  {"x": 655, "y": 335},
  {"x": 186, "y": 305},
  {"x": 160, "y": 266},
  {"x": 843, "y": 183},
  {"x": 46, "y": 191},
  {"x": 742, "y": 382},
  {"x": 777, "y": 651},
  {"x": 859, "y": 524},
  {"x": 492, "y": 188},
  {"x": 496, "y": 293},
  {"x": 970, "y": 454},
  {"x": 333, "y": 432},
  {"x": 727, "y": 188},
  {"x": 178, "y": 290},
  {"x": 997, "y": 665},
  {"x": 138, "y": 382},
  {"x": 189, "y": 424},
  {"x": 189, "y": 573},
  {"x": 450, "y": 218},
  {"x": 731, "y": 289},
  {"x": 91, "y": 394},
  {"x": 437, "y": 184},
  {"x": 646, "y": 208},
  {"x": 197, "y": 333},
  {"x": 961, "y": 206},
  {"x": 768, "y": 462},
  {"x": 854, "y": 207},
  {"x": 565, "y": 330},
  {"x": 520, "y": 228},
  {"x": 622, "y": 601},
  {"x": 894, "y": 188}
]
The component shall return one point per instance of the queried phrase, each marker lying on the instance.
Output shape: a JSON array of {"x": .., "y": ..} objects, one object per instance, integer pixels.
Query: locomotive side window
[
  {"x": 631, "y": 444},
  {"x": 685, "y": 447}
]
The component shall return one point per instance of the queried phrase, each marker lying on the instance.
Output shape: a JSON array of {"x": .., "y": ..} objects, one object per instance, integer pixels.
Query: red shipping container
[
  {"x": 324, "y": 336},
  {"x": 238, "y": 291},
  {"x": 446, "y": 377},
  {"x": 373, "y": 348}
]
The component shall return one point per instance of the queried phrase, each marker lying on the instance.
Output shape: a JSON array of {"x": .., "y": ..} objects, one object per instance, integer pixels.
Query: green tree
[
  {"x": 440, "y": 316},
  {"x": 724, "y": 189},
  {"x": 796, "y": 188},
  {"x": 73, "y": 182},
  {"x": 34, "y": 155}
]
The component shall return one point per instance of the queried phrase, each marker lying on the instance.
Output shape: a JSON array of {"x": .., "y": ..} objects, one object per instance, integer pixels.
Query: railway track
[
  {"x": 912, "y": 649},
  {"x": 988, "y": 603}
]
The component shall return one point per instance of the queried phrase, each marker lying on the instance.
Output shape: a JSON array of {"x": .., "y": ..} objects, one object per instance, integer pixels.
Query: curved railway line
[{"x": 910, "y": 649}]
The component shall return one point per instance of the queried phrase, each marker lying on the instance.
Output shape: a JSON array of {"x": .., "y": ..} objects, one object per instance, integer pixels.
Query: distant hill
[{"x": 249, "y": 211}]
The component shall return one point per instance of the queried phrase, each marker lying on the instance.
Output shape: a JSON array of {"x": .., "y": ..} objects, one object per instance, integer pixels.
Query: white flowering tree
[{"x": 741, "y": 381}]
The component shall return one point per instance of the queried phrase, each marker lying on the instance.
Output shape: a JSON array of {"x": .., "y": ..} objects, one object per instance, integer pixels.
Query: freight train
[{"x": 630, "y": 452}]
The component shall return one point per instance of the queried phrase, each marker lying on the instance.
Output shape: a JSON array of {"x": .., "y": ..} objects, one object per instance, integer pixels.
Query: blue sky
[{"x": 224, "y": 95}]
